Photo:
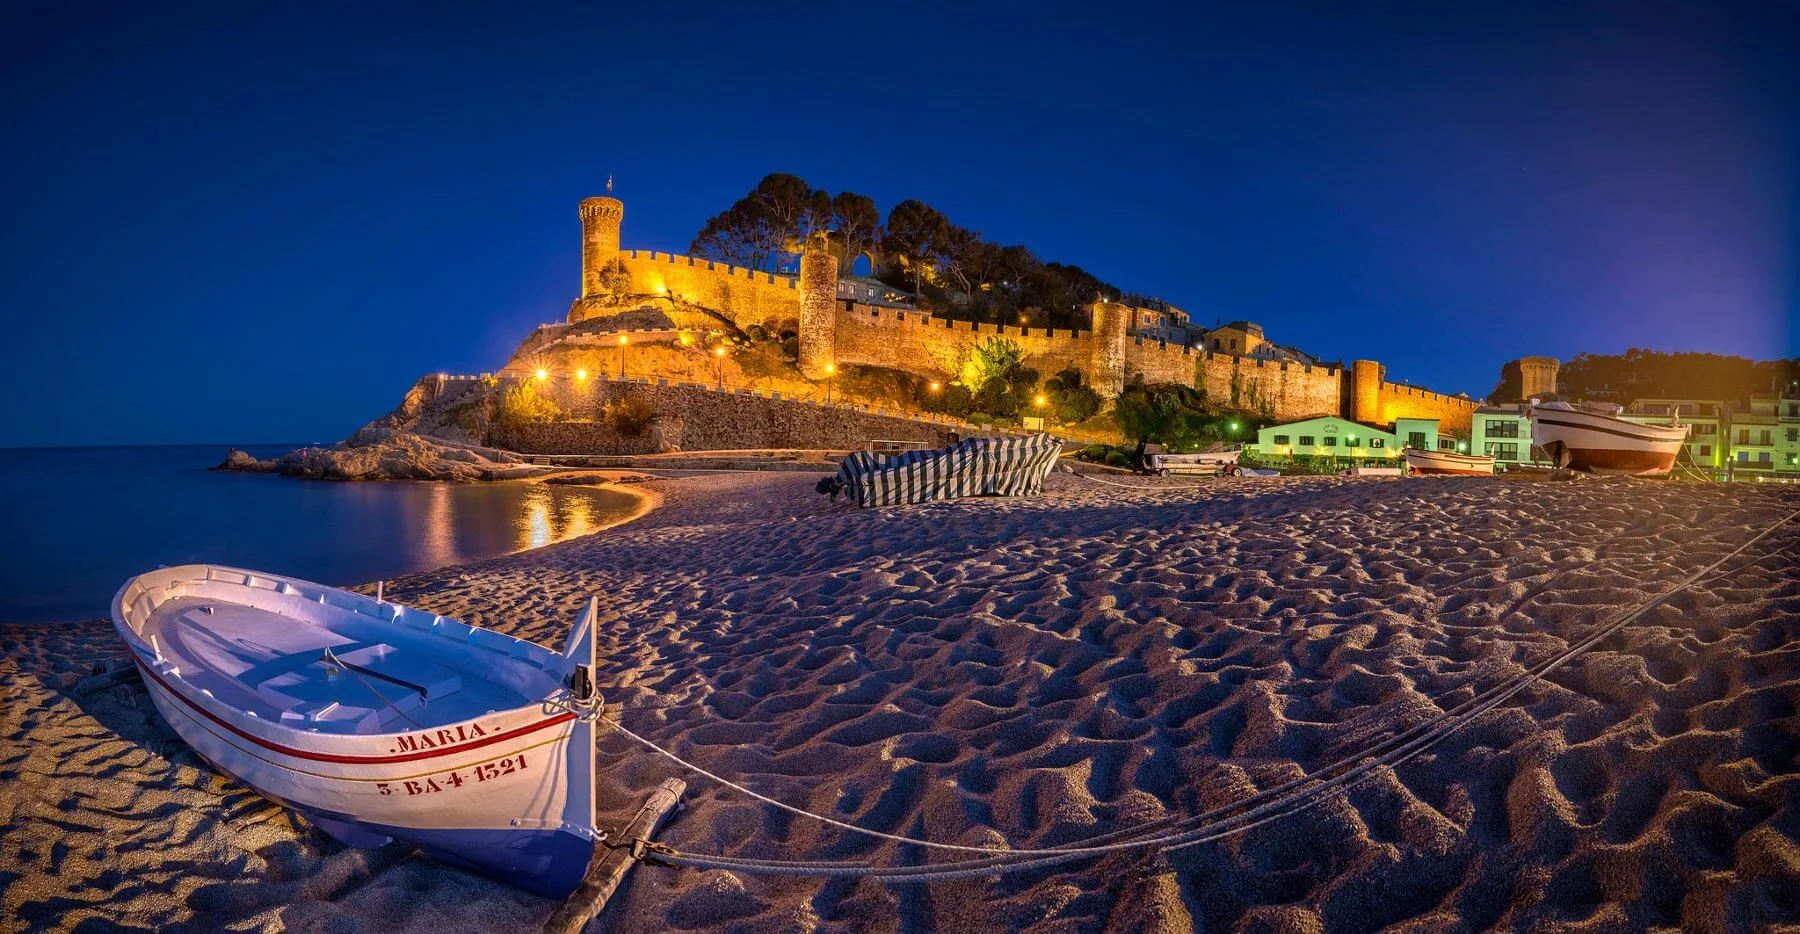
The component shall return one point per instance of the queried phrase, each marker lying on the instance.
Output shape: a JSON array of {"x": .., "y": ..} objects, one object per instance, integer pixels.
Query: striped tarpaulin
[{"x": 972, "y": 467}]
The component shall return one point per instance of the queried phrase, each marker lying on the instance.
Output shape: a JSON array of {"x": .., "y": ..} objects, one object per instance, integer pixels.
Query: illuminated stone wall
[
  {"x": 749, "y": 297},
  {"x": 600, "y": 220},
  {"x": 1454, "y": 413}
]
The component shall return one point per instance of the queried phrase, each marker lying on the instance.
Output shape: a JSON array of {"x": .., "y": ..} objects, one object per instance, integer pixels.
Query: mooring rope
[{"x": 1279, "y": 801}]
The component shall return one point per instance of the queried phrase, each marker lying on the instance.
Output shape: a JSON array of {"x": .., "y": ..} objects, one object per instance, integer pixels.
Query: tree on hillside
[
  {"x": 1650, "y": 374},
  {"x": 774, "y": 218},
  {"x": 916, "y": 233},
  {"x": 855, "y": 228},
  {"x": 1169, "y": 413}
]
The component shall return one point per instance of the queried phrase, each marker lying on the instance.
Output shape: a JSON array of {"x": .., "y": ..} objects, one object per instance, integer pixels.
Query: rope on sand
[{"x": 1172, "y": 833}]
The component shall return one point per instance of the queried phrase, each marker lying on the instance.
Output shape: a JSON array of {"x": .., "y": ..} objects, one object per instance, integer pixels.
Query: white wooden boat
[
  {"x": 1594, "y": 439},
  {"x": 1209, "y": 463},
  {"x": 1448, "y": 462},
  {"x": 376, "y": 721}
]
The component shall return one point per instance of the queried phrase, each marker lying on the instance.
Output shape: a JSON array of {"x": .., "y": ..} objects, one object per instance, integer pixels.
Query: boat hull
[
  {"x": 1601, "y": 444},
  {"x": 1446, "y": 462},
  {"x": 507, "y": 792}
]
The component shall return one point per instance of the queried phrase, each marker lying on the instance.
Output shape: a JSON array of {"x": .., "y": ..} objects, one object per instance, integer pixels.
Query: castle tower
[
  {"x": 1365, "y": 391},
  {"x": 1106, "y": 371},
  {"x": 818, "y": 308},
  {"x": 600, "y": 218},
  {"x": 1537, "y": 377}
]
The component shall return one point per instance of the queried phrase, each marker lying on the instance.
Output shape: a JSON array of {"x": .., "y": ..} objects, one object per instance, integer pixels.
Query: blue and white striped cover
[{"x": 972, "y": 467}]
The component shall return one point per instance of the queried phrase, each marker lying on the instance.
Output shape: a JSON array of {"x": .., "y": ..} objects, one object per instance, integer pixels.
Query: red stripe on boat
[{"x": 337, "y": 757}]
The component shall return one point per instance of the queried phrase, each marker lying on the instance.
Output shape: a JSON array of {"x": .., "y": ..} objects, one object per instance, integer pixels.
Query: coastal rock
[
  {"x": 241, "y": 460},
  {"x": 388, "y": 456}
]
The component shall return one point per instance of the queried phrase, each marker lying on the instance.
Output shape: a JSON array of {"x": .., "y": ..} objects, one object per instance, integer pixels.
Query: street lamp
[
  {"x": 720, "y": 353},
  {"x": 935, "y": 385},
  {"x": 623, "y": 340},
  {"x": 830, "y": 377},
  {"x": 581, "y": 374},
  {"x": 1039, "y": 401},
  {"x": 542, "y": 373}
]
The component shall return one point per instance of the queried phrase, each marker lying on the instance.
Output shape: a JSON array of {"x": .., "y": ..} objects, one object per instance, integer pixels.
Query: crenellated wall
[
  {"x": 837, "y": 333},
  {"x": 749, "y": 297}
]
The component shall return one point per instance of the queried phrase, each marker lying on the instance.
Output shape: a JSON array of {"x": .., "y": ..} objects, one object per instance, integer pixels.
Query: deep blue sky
[{"x": 264, "y": 221}]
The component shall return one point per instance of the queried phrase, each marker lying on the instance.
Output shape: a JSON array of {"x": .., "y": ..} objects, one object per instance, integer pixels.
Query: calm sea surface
[{"x": 79, "y": 521}]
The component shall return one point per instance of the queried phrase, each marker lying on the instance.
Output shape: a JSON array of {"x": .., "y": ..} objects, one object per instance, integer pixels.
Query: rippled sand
[{"x": 1038, "y": 671}]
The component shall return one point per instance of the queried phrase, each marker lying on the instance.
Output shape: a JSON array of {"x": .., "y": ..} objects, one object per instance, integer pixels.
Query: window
[
  {"x": 1765, "y": 438},
  {"x": 1743, "y": 436},
  {"x": 1306, "y": 441},
  {"x": 1446, "y": 444},
  {"x": 1794, "y": 411},
  {"x": 1507, "y": 451},
  {"x": 1705, "y": 450},
  {"x": 1281, "y": 439},
  {"x": 1706, "y": 429},
  {"x": 1330, "y": 442},
  {"x": 1743, "y": 457},
  {"x": 1416, "y": 440},
  {"x": 1502, "y": 428},
  {"x": 1794, "y": 434},
  {"x": 1376, "y": 442},
  {"x": 1762, "y": 457}
]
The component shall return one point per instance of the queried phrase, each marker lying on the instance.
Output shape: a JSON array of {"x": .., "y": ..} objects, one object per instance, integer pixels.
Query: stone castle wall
[
  {"x": 693, "y": 418},
  {"x": 749, "y": 297},
  {"x": 1454, "y": 413}
]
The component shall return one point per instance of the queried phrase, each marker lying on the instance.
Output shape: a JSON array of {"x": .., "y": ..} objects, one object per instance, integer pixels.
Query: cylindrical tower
[
  {"x": 1537, "y": 377},
  {"x": 1112, "y": 322},
  {"x": 1365, "y": 391},
  {"x": 600, "y": 218},
  {"x": 818, "y": 309}
]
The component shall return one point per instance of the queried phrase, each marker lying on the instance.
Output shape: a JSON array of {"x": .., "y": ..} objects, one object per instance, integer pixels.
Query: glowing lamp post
[
  {"x": 623, "y": 340},
  {"x": 935, "y": 385},
  {"x": 581, "y": 374},
  {"x": 830, "y": 377},
  {"x": 720, "y": 353},
  {"x": 542, "y": 374}
]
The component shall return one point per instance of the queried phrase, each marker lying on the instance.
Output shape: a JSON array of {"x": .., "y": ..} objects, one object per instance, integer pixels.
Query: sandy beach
[{"x": 1038, "y": 671}]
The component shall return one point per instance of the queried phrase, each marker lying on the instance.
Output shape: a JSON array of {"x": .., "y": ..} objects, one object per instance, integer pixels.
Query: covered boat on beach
[
  {"x": 1593, "y": 438},
  {"x": 376, "y": 721},
  {"x": 971, "y": 467}
]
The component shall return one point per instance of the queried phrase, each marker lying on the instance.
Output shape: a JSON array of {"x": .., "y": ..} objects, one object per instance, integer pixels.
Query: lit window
[
  {"x": 1376, "y": 442},
  {"x": 1330, "y": 442},
  {"x": 1281, "y": 439},
  {"x": 1306, "y": 441}
]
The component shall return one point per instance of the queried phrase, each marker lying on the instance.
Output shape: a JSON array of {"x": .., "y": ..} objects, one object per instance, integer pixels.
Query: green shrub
[
  {"x": 522, "y": 404},
  {"x": 1077, "y": 404},
  {"x": 629, "y": 416},
  {"x": 1117, "y": 458}
]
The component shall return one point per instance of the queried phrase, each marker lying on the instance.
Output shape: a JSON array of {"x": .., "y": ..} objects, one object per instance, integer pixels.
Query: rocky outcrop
[{"x": 394, "y": 457}]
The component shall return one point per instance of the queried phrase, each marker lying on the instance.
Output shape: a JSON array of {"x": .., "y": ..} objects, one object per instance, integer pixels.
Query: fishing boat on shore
[
  {"x": 1593, "y": 438},
  {"x": 376, "y": 721},
  {"x": 1448, "y": 462}
]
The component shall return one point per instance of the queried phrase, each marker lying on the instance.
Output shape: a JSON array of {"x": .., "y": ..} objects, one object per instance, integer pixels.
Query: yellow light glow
[
  {"x": 543, "y": 374},
  {"x": 830, "y": 368},
  {"x": 686, "y": 339},
  {"x": 935, "y": 385},
  {"x": 623, "y": 340},
  {"x": 581, "y": 374},
  {"x": 719, "y": 351},
  {"x": 1039, "y": 401}
]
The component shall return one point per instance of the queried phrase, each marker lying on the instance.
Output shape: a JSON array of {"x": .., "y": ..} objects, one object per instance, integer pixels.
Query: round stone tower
[
  {"x": 1365, "y": 391},
  {"x": 600, "y": 218},
  {"x": 818, "y": 308},
  {"x": 1537, "y": 377},
  {"x": 1112, "y": 324}
]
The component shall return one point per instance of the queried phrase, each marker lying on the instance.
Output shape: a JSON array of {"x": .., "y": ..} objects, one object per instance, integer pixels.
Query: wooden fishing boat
[
  {"x": 1448, "y": 462},
  {"x": 1208, "y": 463},
  {"x": 376, "y": 721},
  {"x": 1593, "y": 438}
]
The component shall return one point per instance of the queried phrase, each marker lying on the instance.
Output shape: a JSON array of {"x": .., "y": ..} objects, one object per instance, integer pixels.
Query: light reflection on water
[{"x": 82, "y": 520}]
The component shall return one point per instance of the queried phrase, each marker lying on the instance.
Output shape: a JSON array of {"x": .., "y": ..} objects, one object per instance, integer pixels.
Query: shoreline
[{"x": 1042, "y": 670}]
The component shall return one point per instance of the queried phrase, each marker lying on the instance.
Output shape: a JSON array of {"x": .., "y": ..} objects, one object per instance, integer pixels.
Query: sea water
[{"x": 79, "y": 521}]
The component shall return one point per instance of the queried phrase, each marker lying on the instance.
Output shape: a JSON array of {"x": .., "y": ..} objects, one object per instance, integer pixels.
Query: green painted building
[
  {"x": 1502, "y": 432},
  {"x": 1329, "y": 436}
]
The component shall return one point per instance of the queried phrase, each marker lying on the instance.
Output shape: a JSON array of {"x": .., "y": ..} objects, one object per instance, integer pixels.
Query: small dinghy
[
  {"x": 376, "y": 721},
  {"x": 1595, "y": 439},
  {"x": 1448, "y": 462}
]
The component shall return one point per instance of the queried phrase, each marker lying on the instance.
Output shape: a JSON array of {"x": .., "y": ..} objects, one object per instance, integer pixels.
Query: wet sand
[{"x": 1037, "y": 672}]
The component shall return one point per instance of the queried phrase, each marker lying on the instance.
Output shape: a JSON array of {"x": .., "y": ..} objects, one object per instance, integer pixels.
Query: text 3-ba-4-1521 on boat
[
  {"x": 1593, "y": 438},
  {"x": 378, "y": 722}
]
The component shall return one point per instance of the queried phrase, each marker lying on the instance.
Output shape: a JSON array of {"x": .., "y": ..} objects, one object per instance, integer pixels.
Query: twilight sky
[{"x": 262, "y": 222}]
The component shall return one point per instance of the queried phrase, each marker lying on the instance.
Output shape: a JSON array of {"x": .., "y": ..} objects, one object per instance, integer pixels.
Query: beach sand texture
[{"x": 1038, "y": 671}]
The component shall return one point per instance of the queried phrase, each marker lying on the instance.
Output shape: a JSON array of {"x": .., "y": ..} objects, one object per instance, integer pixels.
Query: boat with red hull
[{"x": 1595, "y": 439}]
